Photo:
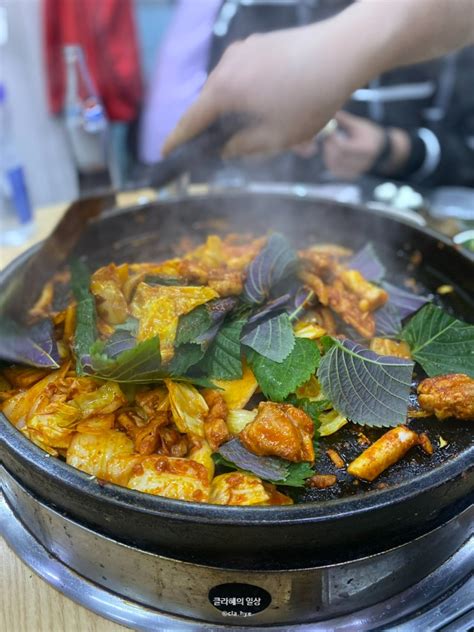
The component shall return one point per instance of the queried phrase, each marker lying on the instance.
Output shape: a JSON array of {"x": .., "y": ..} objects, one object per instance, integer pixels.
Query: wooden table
[{"x": 27, "y": 603}]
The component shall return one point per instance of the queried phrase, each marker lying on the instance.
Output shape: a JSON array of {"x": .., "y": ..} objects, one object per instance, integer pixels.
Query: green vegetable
[
  {"x": 439, "y": 342},
  {"x": 368, "y": 388},
  {"x": 223, "y": 359},
  {"x": 289, "y": 474},
  {"x": 140, "y": 365},
  {"x": 297, "y": 475},
  {"x": 272, "y": 338},
  {"x": 86, "y": 314},
  {"x": 278, "y": 379},
  {"x": 192, "y": 325},
  {"x": 185, "y": 357},
  {"x": 131, "y": 325}
]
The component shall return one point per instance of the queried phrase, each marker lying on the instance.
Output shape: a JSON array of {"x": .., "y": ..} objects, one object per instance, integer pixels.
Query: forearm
[{"x": 391, "y": 33}]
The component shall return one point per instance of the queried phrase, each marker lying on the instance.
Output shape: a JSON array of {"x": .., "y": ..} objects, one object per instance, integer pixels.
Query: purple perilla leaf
[
  {"x": 275, "y": 262},
  {"x": 35, "y": 346},
  {"x": 368, "y": 264}
]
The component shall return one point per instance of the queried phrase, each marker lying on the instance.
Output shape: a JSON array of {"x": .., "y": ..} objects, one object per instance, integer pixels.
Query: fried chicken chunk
[
  {"x": 448, "y": 396},
  {"x": 280, "y": 430},
  {"x": 215, "y": 427},
  {"x": 371, "y": 296},
  {"x": 347, "y": 305}
]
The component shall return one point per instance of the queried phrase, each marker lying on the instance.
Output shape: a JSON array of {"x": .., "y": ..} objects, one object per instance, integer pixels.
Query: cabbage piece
[
  {"x": 91, "y": 452},
  {"x": 188, "y": 407},
  {"x": 106, "y": 286},
  {"x": 35, "y": 438},
  {"x": 238, "y": 488},
  {"x": 181, "y": 479},
  {"x": 238, "y": 418},
  {"x": 202, "y": 453},
  {"x": 23, "y": 406},
  {"x": 158, "y": 310},
  {"x": 22, "y": 377},
  {"x": 120, "y": 467},
  {"x": 331, "y": 422},
  {"x": 97, "y": 423},
  {"x": 106, "y": 399},
  {"x": 56, "y": 426}
]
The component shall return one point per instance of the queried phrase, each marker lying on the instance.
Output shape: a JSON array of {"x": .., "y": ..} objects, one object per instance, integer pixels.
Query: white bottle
[
  {"x": 85, "y": 120},
  {"x": 16, "y": 217}
]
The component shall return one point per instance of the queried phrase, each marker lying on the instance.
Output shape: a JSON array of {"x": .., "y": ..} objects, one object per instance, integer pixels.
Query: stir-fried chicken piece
[
  {"x": 106, "y": 286},
  {"x": 216, "y": 252},
  {"x": 215, "y": 427},
  {"x": 322, "y": 481},
  {"x": 182, "y": 479},
  {"x": 156, "y": 435},
  {"x": 448, "y": 396},
  {"x": 325, "y": 318},
  {"x": 153, "y": 401},
  {"x": 385, "y": 346},
  {"x": 226, "y": 282},
  {"x": 346, "y": 304},
  {"x": 146, "y": 437},
  {"x": 315, "y": 283},
  {"x": 383, "y": 453},
  {"x": 280, "y": 430},
  {"x": 219, "y": 263},
  {"x": 321, "y": 263},
  {"x": 371, "y": 297}
]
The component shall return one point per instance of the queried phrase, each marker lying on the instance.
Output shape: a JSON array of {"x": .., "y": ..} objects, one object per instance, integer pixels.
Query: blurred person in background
[{"x": 413, "y": 124}]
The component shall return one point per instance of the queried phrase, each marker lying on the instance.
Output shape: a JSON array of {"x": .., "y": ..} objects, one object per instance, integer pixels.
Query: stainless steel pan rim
[{"x": 427, "y": 598}]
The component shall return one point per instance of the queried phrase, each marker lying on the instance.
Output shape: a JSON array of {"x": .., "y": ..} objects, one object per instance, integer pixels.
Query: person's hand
[
  {"x": 354, "y": 147},
  {"x": 277, "y": 81},
  {"x": 291, "y": 82}
]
